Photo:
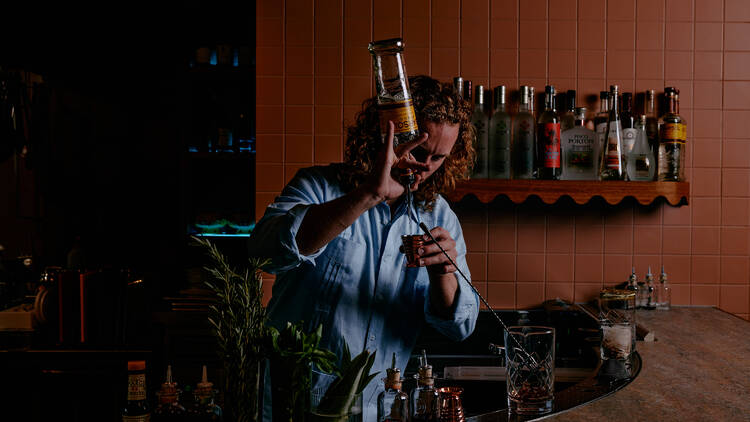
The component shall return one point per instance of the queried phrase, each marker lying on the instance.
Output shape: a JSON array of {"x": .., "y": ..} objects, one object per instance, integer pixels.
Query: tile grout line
[{"x": 314, "y": 79}]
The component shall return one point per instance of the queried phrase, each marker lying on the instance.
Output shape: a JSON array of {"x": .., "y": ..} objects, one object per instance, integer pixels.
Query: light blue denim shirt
[{"x": 357, "y": 285}]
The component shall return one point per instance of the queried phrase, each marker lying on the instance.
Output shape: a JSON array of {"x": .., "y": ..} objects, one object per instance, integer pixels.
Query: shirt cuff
[
  {"x": 465, "y": 309},
  {"x": 288, "y": 238}
]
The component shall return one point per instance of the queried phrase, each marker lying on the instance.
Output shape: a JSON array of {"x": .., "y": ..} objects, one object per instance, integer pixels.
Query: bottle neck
[
  {"x": 613, "y": 109},
  {"x": 604, "y": 106}
]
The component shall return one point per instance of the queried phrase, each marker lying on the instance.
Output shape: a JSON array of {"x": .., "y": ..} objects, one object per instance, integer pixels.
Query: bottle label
[
  {"x": 613, "y": 156},
  {"x": 628, "y": 139},
  {"x": 673, "y": 132},
  {"x": 139, "y": 418},
  {"x": 137, "y": 387},
  {"x": 402, "y": 115},
  {"x": 550, "y": 144},
  {"x": 642, "y": 166}
]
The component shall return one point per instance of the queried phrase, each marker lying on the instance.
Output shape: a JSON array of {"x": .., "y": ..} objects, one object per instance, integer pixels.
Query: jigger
[{"x": 451, "y": 409}]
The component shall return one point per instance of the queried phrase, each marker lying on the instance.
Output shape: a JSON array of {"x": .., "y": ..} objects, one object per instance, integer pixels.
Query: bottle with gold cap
[
  {"x": 393, "y": 404},
  {"x": 424, "y": 398},
  {"x": 169, "y": 409},
  {"x": 204, "y": 400},
  {"x": 136, "y": 408}
]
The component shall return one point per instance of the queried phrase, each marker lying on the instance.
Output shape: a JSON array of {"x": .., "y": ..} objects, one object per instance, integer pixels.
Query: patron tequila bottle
[
  {"x": 548, "y": 138},
  {"x": 611, "y": 165},
  {"x": 392, "y": 89},
  {"x": 580, "y": 150},
  {"x": 499, "y": 137},
  {"x": 640, "y": 159},
  {"x": 481, "y": 124},
  {"x": 672, "y": 138},
  {"x": 522, "y": 150}
]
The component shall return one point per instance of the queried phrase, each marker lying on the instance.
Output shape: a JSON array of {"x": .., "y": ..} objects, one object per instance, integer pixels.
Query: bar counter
[{"x": 697, "y": 369}]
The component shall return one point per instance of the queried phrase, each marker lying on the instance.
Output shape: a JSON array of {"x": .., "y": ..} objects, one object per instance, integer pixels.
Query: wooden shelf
[{"x": 581, "y": 191}]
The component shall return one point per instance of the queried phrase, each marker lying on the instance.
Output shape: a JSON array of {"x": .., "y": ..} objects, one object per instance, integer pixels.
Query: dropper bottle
[
  {"x": 633, "y": 286},
  {"x": 204, "y": 398},
  {"x": 664, "y": 302},
  {"x": 169, "y": 408},
  {"x": 651, "y": 291},
  {"x": 393, "y": 404},
  {"x": 424, "y": 398}
]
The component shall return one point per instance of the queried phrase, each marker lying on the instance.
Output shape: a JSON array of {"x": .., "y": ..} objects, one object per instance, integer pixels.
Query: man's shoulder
[{"x": 327, "y": 172}]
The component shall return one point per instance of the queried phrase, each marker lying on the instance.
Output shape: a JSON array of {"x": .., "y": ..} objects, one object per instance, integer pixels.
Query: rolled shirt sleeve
[
  {"x": 275, "y": 235},
  {"x": 466, "y": 305}
]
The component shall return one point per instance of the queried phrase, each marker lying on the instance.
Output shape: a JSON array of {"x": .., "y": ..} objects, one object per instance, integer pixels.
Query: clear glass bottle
[
  {"x": 664, "y": 300},
  {"x": 458, "y": 85},
  {"x": 580, "y": 150},
  {"x": 672, "y": 139},
  {"x": 600, "y": 120},
  {"x": 652, "y": 124},
  {"x": 392, "y": 89},
  {"x": 499, "y": 137},
  {"x": 640, "y": 160},
  {"x": 548, "y": 138},
  {"x": 522, "y": 150},
  {"x": 651, "y": 289},
  {"x": 568, "y": 118},
  {"x": 424, "y": 398},
  {"x": 633, "y": 286},
  {"x": 169, "y": 408},
  {"x": 393, "y": 404},
  {"x": 532, "y": 101},
  {"x": 481, "y": 124},
  {"x": 136, "y": 407},
  {"x": 611, "y": 167},
  {"x": 628, "y": 121}
]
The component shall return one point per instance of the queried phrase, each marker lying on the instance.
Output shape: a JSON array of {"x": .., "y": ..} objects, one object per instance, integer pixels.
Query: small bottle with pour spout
[
  {"x": 424, "y": 398},
  {"x": 650, "y": 290},
  {"x": 169, "y": 409},
  {"x": 205, "y": 407},
  {"x": 664, "y": 301},
  {"x": 393, "y": 404}
]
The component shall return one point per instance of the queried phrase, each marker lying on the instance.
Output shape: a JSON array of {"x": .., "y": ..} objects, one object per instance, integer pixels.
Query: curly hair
[{"x": 433, "y": 101}]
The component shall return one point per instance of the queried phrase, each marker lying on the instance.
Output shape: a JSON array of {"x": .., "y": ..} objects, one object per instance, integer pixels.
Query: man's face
[{"x": 437, "y": 148}]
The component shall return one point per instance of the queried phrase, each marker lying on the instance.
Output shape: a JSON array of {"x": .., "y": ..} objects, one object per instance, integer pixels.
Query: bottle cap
[
  {"x": 205, "y": 383},
  {"x": 580, "y": 113},
  {"x": 499, "y": 95},
  {"x": 393, "y": 375},
  {"x": 458, "y": 84},
  {"x": 480, "y": 94}
]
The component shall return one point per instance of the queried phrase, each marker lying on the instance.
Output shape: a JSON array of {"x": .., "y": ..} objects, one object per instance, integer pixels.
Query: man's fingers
[{"x": 406, "y": 147}]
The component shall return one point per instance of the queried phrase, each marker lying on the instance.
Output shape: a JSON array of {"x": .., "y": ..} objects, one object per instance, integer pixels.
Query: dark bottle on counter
[
  {"x": 393, "y": 404},
  {"x": 136, "y": 408},
  {"x": 169, "y": 409},
  {"x": 424, "y": 398},
  {"x": 548, "y": 139}
]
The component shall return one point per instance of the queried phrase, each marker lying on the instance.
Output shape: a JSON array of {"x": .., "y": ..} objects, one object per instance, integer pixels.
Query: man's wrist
[{"x": 367, "y": 197}]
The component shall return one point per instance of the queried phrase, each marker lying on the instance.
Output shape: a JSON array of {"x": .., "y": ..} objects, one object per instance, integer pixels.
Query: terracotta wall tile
[
  {"x": 416, "y": 8},
  {"x": 503, "y": 34},
  {"x": 706, "y": 182},
  {"x": 269, "y": 177},
  {"x": 290, "y": 170},
  {"x": 735, "y": 182},
  {"x": 650, "y": 35},
  {"x": 562, "y": 34},
  {"x": 501, "y": 267},
  {"x": 328, "y": 90},
  {"x": 734, "y": 269},
  {"x": 589, "y": 268},
  {"x": 418, "y": 61},
  {"x": 737, "y": 95},
  {"x": 562, "y": 63},
  {"x": 650, "y": 10},
  {"x": 529, "y": 295},
  {"x": 589, "y": 239},
  {"x": 328, "y": 149},
  {"x": 501, "y": 295},
  {"x": 736, "y": 124},
  {"x": 618, "y": 239},
  {"x": 676, "y": 240},
  {"x": 709, "y": 11},
  {"x": 704, "y": 295},
  {"x": 617, "y": 268},
  {"x": 647, "y": 239},
  {"x": 384, "y": 29},
  {"x": 621, "y": 65},
  {"x": 445, "y": 62},
  {"x": 708, "y": 65},
  {"x": 706, "y": 211},
  {"x": 642, "y": 263},
  {"x": 475, "y": 33},
  {"x": 585, "y": 292},
  {"x": 533, "y": 9},
  {"x": 734, "y": 299},
  {"x": 475, "y": 65},
  {"x": 592, "y": 35},
  {"x": 734, "y": 212},
  {"x": 736, "y": 153},
  {"x": 621, "y": 35},
  {"x": 445, "y": 32},
  {"x": 299, "y": 32},
  {"x": 270, "y": 32},
  {"x": 649, "y": 65},
  {"x": 533, "y": 64},
  {"x": 475, "y": 236},
  {"x": 560, "y": 268},
  {"x": 734, "y": 240},
  {"x": 328, "y": 61},
  {"x": 709, "y": 126},
  {"x": 563, "y": 9},
  {"x": 709, "y": 36},
  {"x": 269, "y": 90},
  {"x": 357, "y": 89},
  {"x": 681, "y": 295},
  {"x": 357, "y": 62},
  {"x": 705, "y": 240},
  {"x": 299, "y": 61},
  {"x": 357, "y": 9},
  {"x": 736, "y": 65},
  {"x": 504, "y": 63},
  {"x": 298, "y": 149},
  {"x": 530, "y": 267},
  {"x": 477, "y": 263},
  {"x": 328, "y": 120},
  {"x": 502, "y": 238},
  {"x": 678, "y": 65},
  {"x": 503, "y": 9},
  {"x": 592, "y": 9},
  {"x": 560, "y": 238},
  {"x": 677, "y": 268},
  {"x": 533, "y": 34},
  {"x": 647, "y": 214},
  {"x": 708, "y": 94},
  {"x": 269, "y": 119},
  {"x": 270, "y": 61},
  {"x": 299, "y": 90},
  {"x": 591, "y": 64},
  {"x": 298, "y": 119},
  {"x": 737, "y": 11},
  {"x": 270, "y": 148},
  {"x": 679, "y": 10},
  {"x": 564, "y": 291},
  {"x": 707, "y": 153},
  {"x": 416, "y": 33},
  {"x": 705, "y": 269}
]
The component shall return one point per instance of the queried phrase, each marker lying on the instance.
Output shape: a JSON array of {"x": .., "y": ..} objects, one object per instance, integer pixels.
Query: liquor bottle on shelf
[
  {"x": 136, "y": 407},
  {"x": 611, "y": 165},
  {"x": 522, "y": 150},
  {"x": 424, "y": 398},
  {"x": 568, "y": 118},
  {"x": 580, "y": 151},
  {"x": 169, "y": 409},
  {"x": 393, "y": 404},
  {"x": 664, "y": 296},
  {"x": 548, "y": 138},
  {"x": 481, "y": 124},
  {"x": 458, "y": 84},
  {"x": 640, "y": 160},
  {"x": 672, "y": 138},
  {"x": 652, "y": 123},
  {"x": 224, "y": 133},
  {"x": 532, "y": 102},
  {"x": 392, "y": 89},
  {"x": 499, "y": 137},
  {"x": 627, "y": 120},
  {"x": 468, "y": 92},
  {"x": 600, "y": 120}
]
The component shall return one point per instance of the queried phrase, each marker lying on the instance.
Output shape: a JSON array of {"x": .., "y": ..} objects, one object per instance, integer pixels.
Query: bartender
[{"x": 334, "y": 235}]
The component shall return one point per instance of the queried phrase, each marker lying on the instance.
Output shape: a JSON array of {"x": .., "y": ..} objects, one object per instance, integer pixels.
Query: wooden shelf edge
[{"x": 580, "y": 191}]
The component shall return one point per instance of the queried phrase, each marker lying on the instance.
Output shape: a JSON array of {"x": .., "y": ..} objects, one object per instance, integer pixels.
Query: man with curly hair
[{"x": 334, "y": 235}]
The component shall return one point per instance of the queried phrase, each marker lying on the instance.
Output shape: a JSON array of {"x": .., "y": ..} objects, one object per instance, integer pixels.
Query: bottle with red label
[
  {"x": 611, "y": 167},
  {"x": 548, "y": 139}
]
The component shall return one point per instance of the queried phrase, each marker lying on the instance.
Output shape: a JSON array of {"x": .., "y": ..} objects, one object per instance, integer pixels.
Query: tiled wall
[{"x": 313, "y": 70}]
